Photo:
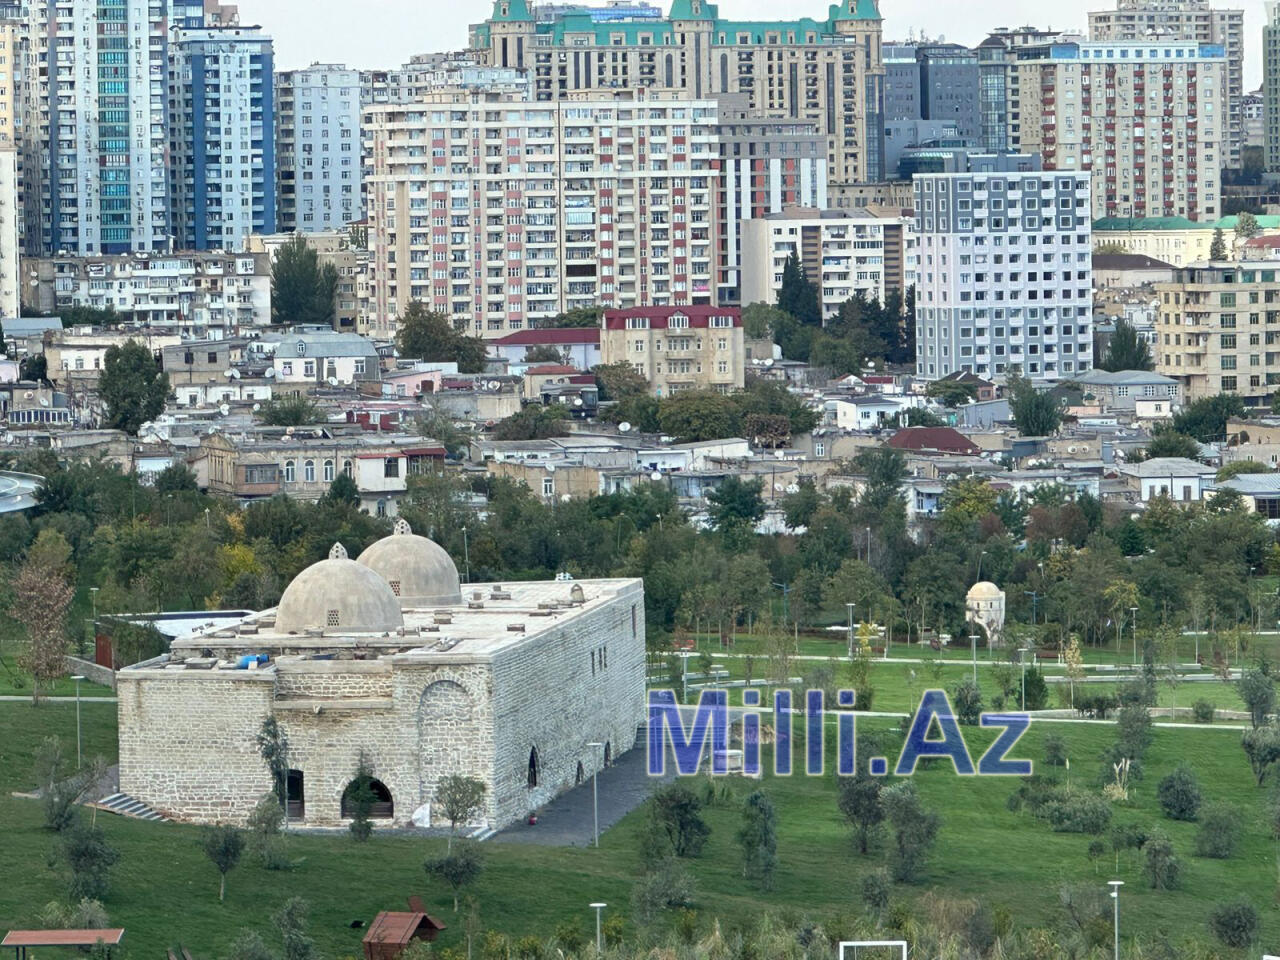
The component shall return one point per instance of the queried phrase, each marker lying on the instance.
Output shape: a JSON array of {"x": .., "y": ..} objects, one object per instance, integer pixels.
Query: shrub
[
  {"x": 1179, "y": 794},
  {"x": 1235, "y": 922},
  {"x": 1055, "y": 750},
  {"x": 1134, "y": 733},
  {"x": 666, "y": 887},
  {"x": 967, "y": 700},
  {"x": 1220, "y": 826},
  {"x": 875, "y": 891},
  {"x": 1202, "y": 711},
  {"x": 1074, "y": 811},
  {"x": 1161, "y": 867}
]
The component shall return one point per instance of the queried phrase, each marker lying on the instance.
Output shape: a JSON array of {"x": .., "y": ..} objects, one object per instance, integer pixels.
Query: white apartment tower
[
  {"x": 1005, "y": 273},
  {"x": 1194, "y": 20},
  {"x": 318, "y": 169},
  {"x": 500, "y": 212}
]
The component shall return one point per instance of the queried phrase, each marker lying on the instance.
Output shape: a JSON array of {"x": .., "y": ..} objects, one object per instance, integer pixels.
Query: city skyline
[{"x": 303, "y": 33}]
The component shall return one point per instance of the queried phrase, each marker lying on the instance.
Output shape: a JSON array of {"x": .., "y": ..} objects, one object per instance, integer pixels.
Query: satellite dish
[
  {"x": 224, "y": 410},
  {"x": 577, "y": 401},
  {"x": 493, "y": 385},
  {"x": 229, "y": 373},
  {"x": 45, "y": 402},
  {"x": 332, "y": 381},
  {"x": 270, "y": 373},
  {"x": 257, "y": 407},
  {"x": 565, "y": 498},
  {"x": 235, "y": 374},
  {"x": 793, "y": 488},
  {"x": 551, "y": 468},
  {"x": 624, "y": 427},
  {"x": 655, "y": 476},
  {"x": 288, "y": 431},
  {"x": 769, "y": 362}
]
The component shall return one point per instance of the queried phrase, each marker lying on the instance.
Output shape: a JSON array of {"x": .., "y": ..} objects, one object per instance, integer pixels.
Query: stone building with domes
[
  {"x": 390, "y": 657},
  {"x": 984, "y": 606}
]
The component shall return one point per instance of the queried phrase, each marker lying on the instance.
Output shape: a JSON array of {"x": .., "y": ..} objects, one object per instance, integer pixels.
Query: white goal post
[{"x": 900, "y": 945}]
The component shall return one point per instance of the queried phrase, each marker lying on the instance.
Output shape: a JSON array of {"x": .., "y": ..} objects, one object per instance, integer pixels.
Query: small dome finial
[
  {"x": 337, "y": 552},
  {"x": 401, "y": 527}
]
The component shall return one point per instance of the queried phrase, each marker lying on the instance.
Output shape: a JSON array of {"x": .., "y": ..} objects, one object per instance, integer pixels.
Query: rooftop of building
[
  {"x": 555, "y": 335},
  {"x": 1166, "y": 467},
  {"x": 1253, "y": 484},
  {"x": 1122, "y": 377},
  {"x": 1226, "y": 224},
  {"x": 1128, "y": 261}
]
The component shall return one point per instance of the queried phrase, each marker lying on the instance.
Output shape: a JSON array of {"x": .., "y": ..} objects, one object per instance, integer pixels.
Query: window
[
  {"x": 548, "y": 486},
  {"x": 348, "y": 468},
  {"x": 328, "y": 471},
  {"x": 370, "y": 793},
  {"x": 295, "y": 798},
  {"x": 290, "y": 469},
  {"x": 391, "y": 467},
  {"x": 309, "y": 471},
  {"x": 332, "y": 618},
  {"x": 533, "y": 767}
]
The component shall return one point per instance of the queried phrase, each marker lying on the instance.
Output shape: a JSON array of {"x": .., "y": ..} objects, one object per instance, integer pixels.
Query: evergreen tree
[
  {"x": 132, "y": 386},
  {"x": 1218, "y": 249},
  {"x": 758, "y": 837},
  {"x": 798, "y": 296},
  {"x": 1035, "y": 413},
  {"x": 423, "y": 334},
  {"x": 1126, "y": 350},
  {"x": 302, "y": 289}
]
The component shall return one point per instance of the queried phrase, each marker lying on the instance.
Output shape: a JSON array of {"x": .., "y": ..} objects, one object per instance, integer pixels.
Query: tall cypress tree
[{"x": 798, "y": 296}]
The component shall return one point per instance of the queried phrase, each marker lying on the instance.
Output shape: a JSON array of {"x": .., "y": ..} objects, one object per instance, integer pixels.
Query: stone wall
[
  {"x": 548, "y": 698},
  {"x": 92, "y": 671},
  {"x": 333, "y": 679},
  {"x": 188, "y": 740}
]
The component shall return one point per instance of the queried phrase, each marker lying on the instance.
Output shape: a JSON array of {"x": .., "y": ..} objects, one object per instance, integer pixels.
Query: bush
[
  {"x": 1134, "y": 733},
  {"x": 1220, "y": 826},
  {"x": 967, "y": 700},
  {"x": 875, "y": 891},
  {"x": 1235, "y": 922},
  {"x": 1179, "y": 794},
  {"x": 1055, "y": 750},
  {"x": 1202, "y": 711},
  {"x": 1161, "y": 867},
  {"x": 1074, "y": 811},
  {"x": 666, "y": 887}
]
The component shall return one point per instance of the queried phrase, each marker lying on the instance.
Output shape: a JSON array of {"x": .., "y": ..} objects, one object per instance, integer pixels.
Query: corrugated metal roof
[{"x": 62, "y": 938}]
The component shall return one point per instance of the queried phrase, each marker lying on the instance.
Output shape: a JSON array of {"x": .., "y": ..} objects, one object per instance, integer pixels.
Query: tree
[
  {"x": 460, "y": 798},
  {"x": 295, "y": 411},
  {"x": 952, "y": 393},
  {"x": 677, "y": 812},
  {"x": 264, "y": 827},
  {"x": 543, "y": 353},
  {"x": 132, "y": 386},
  {"x": 967, "y": 699},
  {"x": 1035, "y": 413},
  {"x": 460, "y": 867},
  {"x": 758, "y": 837},
  {"x": 223, "y": 844},
  {"x": 694, "y": 415},
  {"x": 574, "y": 318},
  {"x": 534, "y": 422},
  {"x": 618, "y": 381},
  {"x": 42, "y": 596},
  {"x": 1206, "y": 418},
  {"x": 1235, "y": 923},
  {"x": 1220, "y": 826},
  {"x": 1258, "y": 691},
  {"x": 1218, "y": 248},
  {"x": 291, "y": 921},
  {"x": 424, "y": 334},
  {"x": 85, "y": 316},
  {"x": 1247, "y": 226},
  {"x": 735, "y": 503},
  {"x": 34, "y": 367},
  {"x": 1179, "y": 794},
  {"x": 860, "y": 800},
  {"x": 343, "y": 490},
  {"x": 798, "y": 296},
  {"x": 302, "y": 290},
  {"x": 1162, "y": 868},
  {"x": 1236, "y": 467},
  {"x": 914, "y": 830},
  {"x": 1126, "y": 350},
  {"x": 360, "y": 798},
  {"x": 248, "y": 945},
  {"x": 1262, "y": 747},
  {"x": 273, "y": 747},
  {"x": 176, "y": 478},
  {"x": 90, "y": 858},
  {"x": 760, "y": 320},
  {"x": 1167, "y": 442}
]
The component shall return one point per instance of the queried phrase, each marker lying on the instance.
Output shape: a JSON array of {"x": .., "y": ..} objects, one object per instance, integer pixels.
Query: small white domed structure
[
  {"x": 984, "y": 605},
  {"x": 419, "y": 571},
  {"x": 338, "y": 594}
]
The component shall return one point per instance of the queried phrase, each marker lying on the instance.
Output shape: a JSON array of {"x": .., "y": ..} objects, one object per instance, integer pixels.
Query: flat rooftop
[{"x": 492, "y": 618}]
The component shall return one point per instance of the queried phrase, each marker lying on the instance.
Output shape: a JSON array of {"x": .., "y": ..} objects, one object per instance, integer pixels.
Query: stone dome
[
  {"x": 338, "y": 594},
  {"x": 420, "y": 571},
  {"x": 985, "y": 590}
]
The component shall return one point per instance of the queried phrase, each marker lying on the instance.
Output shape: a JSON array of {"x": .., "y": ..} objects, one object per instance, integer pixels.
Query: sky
[{"x": 385, "y": 33}]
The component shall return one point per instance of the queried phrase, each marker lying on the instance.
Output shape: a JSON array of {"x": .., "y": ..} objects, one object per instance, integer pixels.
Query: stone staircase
[{"x": 127, "y": 806}]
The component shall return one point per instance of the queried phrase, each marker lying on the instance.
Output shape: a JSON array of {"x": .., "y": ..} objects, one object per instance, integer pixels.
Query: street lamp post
[
  {"x": 868, "y": 546},
  {"x": 1115, "y": 897},
  {"x": 849, "y": 607},
  {"x": 597, "y": 907},
  {"x": 595, "y": 796},
  {"x": 1034, "y": 597},
  {"x": 466, "y": 554},
  {"x": 973, "y": 641},
  {"x": 77, "y": 678},
  {"x": 1133, "y": 612}
]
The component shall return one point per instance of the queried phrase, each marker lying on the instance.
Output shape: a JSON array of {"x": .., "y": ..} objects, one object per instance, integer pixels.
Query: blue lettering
[
  {"x": 993, "y": 762},
  {"x": 710, "y": 717},
  {"x": 750, "y": 733},
  {"x": 782, "y": 733},
  {"x": 846, "y": 734},
  {"x": 934, "y": 705}
]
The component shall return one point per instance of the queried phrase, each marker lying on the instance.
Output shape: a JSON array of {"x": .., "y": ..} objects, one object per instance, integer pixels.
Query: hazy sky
[{"x": 384, "y": 33}]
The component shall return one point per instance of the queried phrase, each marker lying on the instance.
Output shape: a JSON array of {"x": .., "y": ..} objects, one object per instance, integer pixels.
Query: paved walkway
[
  {"x": 567, "y": 820},
  {"x": 27, "y": 699}
]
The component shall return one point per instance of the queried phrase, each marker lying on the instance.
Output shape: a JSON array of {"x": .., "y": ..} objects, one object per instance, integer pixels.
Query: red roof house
[{"x": 933, "y": 440}]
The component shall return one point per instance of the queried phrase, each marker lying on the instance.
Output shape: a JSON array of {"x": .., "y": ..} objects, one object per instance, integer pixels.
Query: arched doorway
[
  {"x": 381, "y": 806},
  {"x": 580, "y": 775},
  {"x": 533, "y": 767},
  {"x": 295, "y": 798},
  {"x": 608, "y": 753}
]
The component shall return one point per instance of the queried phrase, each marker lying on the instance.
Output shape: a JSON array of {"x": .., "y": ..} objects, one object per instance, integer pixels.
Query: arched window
[
  {"x": 580, "y": 775},
  {"x": 670, "y": 71},
  {"x": 371, "y": 791},
  {"x": 349, "y": 469},
  {"x": 296, "y": 806},
  {"x": 724, "y": 73},
  {"x": 328, "y": 471},
  {"x": 608, "y": 753},
  {"x": 533, "y": 767},
  {"x": 290, "y": 471},
  {"x": 309, "y": 471}
]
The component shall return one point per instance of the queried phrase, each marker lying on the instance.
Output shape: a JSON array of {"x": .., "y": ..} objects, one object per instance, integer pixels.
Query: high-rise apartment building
[
  {"x": 500, "y": 212},
  {"x": 318, "y": 166},
  {"x": 10, "y": 218},
  {"x": 1005, "y": 276},
  {"x": 827, "y": 70},
  {"x": 222, "y": 136},
  {"x": 1218, "y": 329},
  {"x": 1271, "y": 87},
  {"x": 1195, "y": 20},
  {"x": 933, "y": 81},
  {"x": 93, "y": 126},
  {"x": 1145, "y": 119}
]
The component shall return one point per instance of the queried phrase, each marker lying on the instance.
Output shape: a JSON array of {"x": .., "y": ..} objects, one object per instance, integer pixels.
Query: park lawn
[
  {"x": 164, "y": 891},
  {"x": 63, "y": 687}
]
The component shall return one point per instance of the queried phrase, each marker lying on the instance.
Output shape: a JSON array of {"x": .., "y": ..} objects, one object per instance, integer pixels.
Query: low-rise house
[
  {"x": 1177, "y": 478},
  {"x": 579, "y": 346},
  {"x": 983, "y": 390},
  {"x": 332, "y": 359},
  {"x": 1120, "y": 390},
  {"x": 75, "y": 357},
  {"x": 869, "y": 412},
  {"x": 933, "y": 440},
  {"x": 26, "y": 405},
  {"x": 1260, "y": 492}
]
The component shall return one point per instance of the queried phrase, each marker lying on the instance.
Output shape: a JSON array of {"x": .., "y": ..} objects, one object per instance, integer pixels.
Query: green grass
[
  {"x": 165, "y": 892},
  {"x": 64, "y": 687}
]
